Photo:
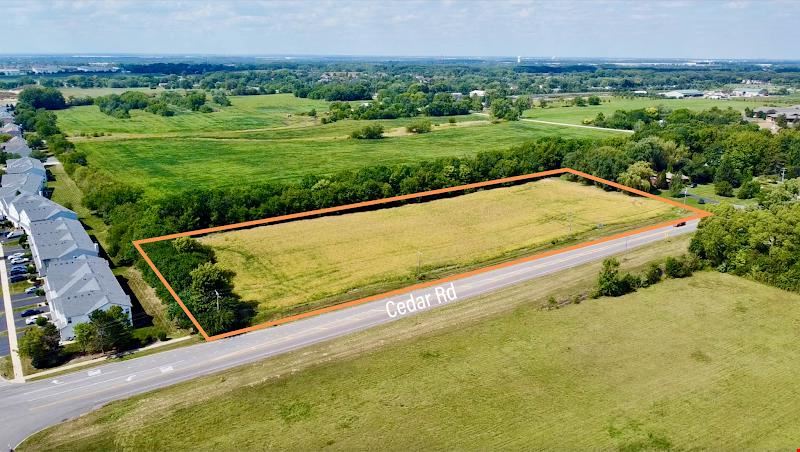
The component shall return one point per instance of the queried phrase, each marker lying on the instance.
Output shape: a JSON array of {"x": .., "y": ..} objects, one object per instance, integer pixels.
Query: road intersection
[{"x": 25, "y": 409}]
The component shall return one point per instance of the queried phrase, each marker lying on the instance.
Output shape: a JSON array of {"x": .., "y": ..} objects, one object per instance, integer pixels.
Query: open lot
[
  {"x": 683, "y": 365},
  {"x": 262, "y": 138},
  {"x": 292, "y": 267},
  {"x": 556, "y": 112}
]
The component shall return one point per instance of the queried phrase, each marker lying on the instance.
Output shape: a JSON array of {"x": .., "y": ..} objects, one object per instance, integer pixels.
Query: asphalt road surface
[{"x": 28, "y": 408}]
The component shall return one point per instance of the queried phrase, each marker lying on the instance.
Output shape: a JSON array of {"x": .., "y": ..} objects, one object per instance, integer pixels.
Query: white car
[
  {"x": 15, "y": 233},
  {"x": 32, "y": 320},
  {"x": 15, "y": 256},
  {"x": 18, "y": 260}
]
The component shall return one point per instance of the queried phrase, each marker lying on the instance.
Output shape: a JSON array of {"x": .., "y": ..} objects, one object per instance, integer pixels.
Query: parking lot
[{"x": 20, "y": 301}]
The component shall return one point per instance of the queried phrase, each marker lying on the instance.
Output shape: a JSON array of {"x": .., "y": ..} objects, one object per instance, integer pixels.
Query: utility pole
[
  {"x": 216, "y": 292},
  {"x": 783, "y": 174}
]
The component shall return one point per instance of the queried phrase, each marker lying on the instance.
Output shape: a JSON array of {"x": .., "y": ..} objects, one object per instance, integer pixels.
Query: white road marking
[
  {"x": 165, "y": 369},
  {"x": 130, "y": 378},
  {"x": 92, "y": 373}
]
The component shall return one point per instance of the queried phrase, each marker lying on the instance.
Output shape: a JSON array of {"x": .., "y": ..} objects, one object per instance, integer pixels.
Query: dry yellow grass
[{"x": 313, "y": 262}]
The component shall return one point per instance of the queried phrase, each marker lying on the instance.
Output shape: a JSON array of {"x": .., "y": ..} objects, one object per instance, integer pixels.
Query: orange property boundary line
[{"x": 697, "y": 214}]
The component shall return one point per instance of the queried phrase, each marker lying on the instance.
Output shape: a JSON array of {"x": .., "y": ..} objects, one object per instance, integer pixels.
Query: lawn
[
  {"x": 262, "y": 138},
  {"x": 708, "y": 362},
  {"x": 296, "y": 266},
  {"x": 556, "y": 112},
  {"x": 162, "y": 165}
]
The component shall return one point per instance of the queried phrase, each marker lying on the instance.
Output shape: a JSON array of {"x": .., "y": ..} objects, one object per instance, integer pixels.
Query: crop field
[
  {"x": 262, "y": 139},
  {"x": 292, "y": 267},
  {"x": 575, "y": 115},
  {"x": 707, "y": 362}
]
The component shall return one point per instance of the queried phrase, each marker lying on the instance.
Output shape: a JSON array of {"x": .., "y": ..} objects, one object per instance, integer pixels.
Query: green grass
[
  {"x": 247, "y": 112},
  {"x": 67, "y": 193},
  {"x": 95, "y": 92},
  {"x": 708, "y": 362},
  {"x": 163, "y": 165},
  {"x": 575, "y": 115}
]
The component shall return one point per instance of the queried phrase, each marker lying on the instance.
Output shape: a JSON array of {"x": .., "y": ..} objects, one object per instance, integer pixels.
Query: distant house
[
  {"x": 792, "y": 114},
  {"x": 24, "y": 183},
  {"x": 26, "y": 209},
  {"x": 17, "y": 145},
  {"x": 62, "y": 238},
  {"x": 680, "y": 94},
  {"x": 477, "y": 93},
  {"x": 11, "y": 129},
  {"x": 748, "y": 92},
  {"x": 25, "y": 165},
  {"x": 77, "y": 287},
  {"x": 457, "y": 96}
]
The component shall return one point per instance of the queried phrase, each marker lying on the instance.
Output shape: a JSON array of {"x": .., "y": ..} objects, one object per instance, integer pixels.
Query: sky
[{"x": 710, "y": 29}]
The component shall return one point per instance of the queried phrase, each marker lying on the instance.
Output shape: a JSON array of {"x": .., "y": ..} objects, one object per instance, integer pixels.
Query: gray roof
[
  {"x": 82, "y": 285},
  {"x": 25, "y": 165},
  {"x": 38, "y": 207},
  {"x": 17, "y": 145},
  {"x": 23, "y": 183},
  {"x": 11, "y": 129},
  {"x": 8, "y": 193},
  {"x": 794, "y": 109},
  {"x": 60, "y": 238}
]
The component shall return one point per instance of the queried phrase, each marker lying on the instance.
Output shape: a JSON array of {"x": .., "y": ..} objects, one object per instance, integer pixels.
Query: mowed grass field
[
  {"x": 296, "y": 266},
  {"x": 263, "y": 138},
  {"x": 556, "y": 112},
  {"x": 704, "y": 363}
]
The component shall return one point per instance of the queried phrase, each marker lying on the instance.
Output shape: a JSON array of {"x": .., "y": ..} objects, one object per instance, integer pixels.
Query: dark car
[
  {"x": 31, "y": 312},
  {"x": 682, "y": 223},
  {"x": 18, "y": 271},
  {"x": 17, "y": 278}
]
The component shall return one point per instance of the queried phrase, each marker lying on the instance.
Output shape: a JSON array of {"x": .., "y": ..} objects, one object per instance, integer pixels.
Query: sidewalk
[
  {"x": 104, "y": 358},
  {"x": 12, "y": 328}
]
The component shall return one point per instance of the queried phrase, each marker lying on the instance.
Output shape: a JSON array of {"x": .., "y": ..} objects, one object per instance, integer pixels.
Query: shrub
[
  {"x": 420, "y": 126},
  {"x": 748, "y": 190},
  {"x": 370, "y": 132},
  {"x": 723, "y": 188},
  {"x": 680, "y": 267},
  {"x": 162, "y": 336},
  {"x": 652, "y": 275}
]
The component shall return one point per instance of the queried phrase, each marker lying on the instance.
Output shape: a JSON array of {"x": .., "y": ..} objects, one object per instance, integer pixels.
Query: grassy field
[
  {"x": 556, "y": 112},
  {"x": 295, "y": 266},
  {"x": 708, "y": 362},
  {"x": 262, "y": 138}
]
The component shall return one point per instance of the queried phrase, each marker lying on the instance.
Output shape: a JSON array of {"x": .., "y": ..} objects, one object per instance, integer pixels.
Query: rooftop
[
  {"x": 58, "y": 238},
  {"x": 82, "y": 285}
]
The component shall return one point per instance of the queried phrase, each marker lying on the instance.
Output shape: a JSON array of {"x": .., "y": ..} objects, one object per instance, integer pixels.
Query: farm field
[
  {"x": 680, "y": 365},
  {"x": 263, "y": 139},
  {"x": 575, "y": 115},
  {"x": 297, "y": 266}
]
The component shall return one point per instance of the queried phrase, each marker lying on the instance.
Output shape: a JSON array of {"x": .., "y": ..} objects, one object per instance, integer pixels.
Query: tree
[
  {"x": 112, "y": 329},
  {"x": 504, "y": 109},
  {"x": 594, "y": 100},
  {"x": 723, "y": 188},
  {"x": 85, "y": 336},
  {"x": 41, "y": 345},
  {"x": 637, "y": 176},
  {"x": 781, "y": 121},
  {"x": 579, "y": 101},
  {"x": 749, "y": 189},
  {"x": 611, "y": 284}
]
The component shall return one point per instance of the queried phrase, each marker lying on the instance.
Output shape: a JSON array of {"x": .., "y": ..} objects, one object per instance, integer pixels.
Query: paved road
[
  {"x": 25, "y": 409},
  {"x": 580, "y": 126}
]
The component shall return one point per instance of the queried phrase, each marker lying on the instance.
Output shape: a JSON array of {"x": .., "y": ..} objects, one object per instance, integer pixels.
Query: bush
[
  {"x": 421, "y": 126},
  {"x": 370, "y": 132},
  {"x": 680, "y": 267},
  {"x": 749, "y": 189},
  {"x": 162, "y": 336},
  {"x": 723, "y": 188},
  {"x": 652, "y": 275},
  {"x": 610, "y": 283}
]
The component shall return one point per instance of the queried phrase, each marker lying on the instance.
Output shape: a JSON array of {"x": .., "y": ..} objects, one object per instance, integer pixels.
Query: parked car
[
  {"x": 15, "y": 256},
  {"x": 15, "y": 233},
  {"x": 18, "y": 271},
  {"x": 19, "y": 260},
  {"x": 31, "y": 289},
  {"x": 31, "y": 312},
  {"x": 32, "y": 320},
  {"x": 19, "y": 267},
  {"x": 17, "y": 278}
]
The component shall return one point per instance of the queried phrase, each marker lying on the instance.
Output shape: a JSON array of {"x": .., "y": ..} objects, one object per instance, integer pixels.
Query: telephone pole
[{"x": 216, "y": 292}]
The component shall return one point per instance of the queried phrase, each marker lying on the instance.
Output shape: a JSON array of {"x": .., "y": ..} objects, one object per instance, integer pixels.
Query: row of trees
[
  {"x": 165, "y": 104},
  {"x": 611, "y": 282}
]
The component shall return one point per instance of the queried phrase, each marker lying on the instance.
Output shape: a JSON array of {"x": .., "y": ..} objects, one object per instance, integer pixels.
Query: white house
[
  {"x": 25, "y": 165},
  {"x": 24, "y": 183},
  {"x": 477, "y": 93},
  {"x": 62, "y": 238},
  {"x": 77, "y": 287},
  {"x": 11, "y": 129},
  {"x": 26, "y": 209}
]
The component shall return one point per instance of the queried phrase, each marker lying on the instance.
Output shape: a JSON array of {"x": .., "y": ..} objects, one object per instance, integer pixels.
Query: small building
[
  {"x": 457, "y": 96},
  {"x": 24, "y": 183},
  {"x": 680, "y": 94},
  {"x": 477, "y": 93},
  {"x": 62, "y": 238},
  {"x": 6, "y": 195},
  {"x": 17, "y": 145},
  {"x": 26, "y": 209},
  {"x": 748, "y": 92},
  {"x": 77, "y": 287}
]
